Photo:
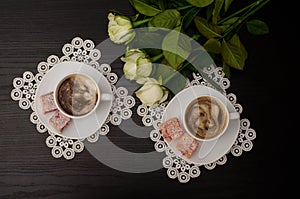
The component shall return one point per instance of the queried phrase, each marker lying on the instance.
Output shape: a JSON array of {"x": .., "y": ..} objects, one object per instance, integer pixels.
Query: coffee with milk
[
  {"x": 205, "y": 117},
  {"x": 77, "y": 95}
]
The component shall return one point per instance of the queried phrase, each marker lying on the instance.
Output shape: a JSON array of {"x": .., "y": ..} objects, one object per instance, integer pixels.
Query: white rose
[
  {"x": 120, "y": 29},
  {"x": 137, "y": 65},
  {"x": 151, "y": 93}
]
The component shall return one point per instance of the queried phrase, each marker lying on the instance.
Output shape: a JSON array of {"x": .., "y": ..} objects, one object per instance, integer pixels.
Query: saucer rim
[
  {"x": 74, "y": 67},
  {"x": 231, "y": 126}
]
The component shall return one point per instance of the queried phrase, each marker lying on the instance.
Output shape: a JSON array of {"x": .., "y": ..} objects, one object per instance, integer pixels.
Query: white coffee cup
[
  {"x": 78, "y": 95},
  {"x": 190, "y": 121}
]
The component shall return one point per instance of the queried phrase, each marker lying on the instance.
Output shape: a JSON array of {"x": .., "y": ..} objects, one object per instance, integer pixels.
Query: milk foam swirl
[
  {"x": 77, "y": 95},
  {"x": 205, "y": 117}
]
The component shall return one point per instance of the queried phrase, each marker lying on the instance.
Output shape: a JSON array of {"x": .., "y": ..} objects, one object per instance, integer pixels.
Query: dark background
[{"x": 32, "y": 30}]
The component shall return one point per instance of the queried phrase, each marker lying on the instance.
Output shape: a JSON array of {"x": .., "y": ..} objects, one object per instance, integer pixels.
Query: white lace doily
[
  {"x": 84, "y": 51},
  {"x": 81, "y": 51},
  {"x": 177, "y": 168}
]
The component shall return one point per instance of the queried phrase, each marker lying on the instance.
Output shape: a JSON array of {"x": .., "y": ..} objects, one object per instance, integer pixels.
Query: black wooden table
[{"x": 32, "y": 30}]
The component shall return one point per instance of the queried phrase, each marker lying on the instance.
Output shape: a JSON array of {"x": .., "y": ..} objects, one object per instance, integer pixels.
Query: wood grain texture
[{"x": 32, "y": 30}]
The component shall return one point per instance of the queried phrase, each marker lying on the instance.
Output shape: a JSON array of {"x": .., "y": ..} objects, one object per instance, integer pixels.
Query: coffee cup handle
[
  {"x": 234, "y": 115},
  {"x": 106, "y": 96}
]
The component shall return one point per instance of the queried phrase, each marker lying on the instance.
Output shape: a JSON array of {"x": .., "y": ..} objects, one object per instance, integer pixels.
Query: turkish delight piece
[
  {"x": 59, "y": 121},
  {"x": 171, "y": 129},
  {"x": 48, "y": 103},
  {"x": 186, "y": 145}
]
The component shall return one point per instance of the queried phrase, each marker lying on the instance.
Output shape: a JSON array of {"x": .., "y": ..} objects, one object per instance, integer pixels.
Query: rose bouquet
[{"x": 162, "y": 41}]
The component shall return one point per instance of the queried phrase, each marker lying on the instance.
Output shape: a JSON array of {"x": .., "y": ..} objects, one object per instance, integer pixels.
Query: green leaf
[
  {"x": 257, "y": 27},
  {"x": 147, "y": 38},
  {"x": 213, "y": 46},
  {"x": 201, "y": 59},
  {"x": 206, "y": 29},
  {"x": 172, "y": 79},
  {"x": 226, "y": 69},
  {"x": 217, "y": 10},
  {"x": 230, "y": 21},
  {"x": 226, "y": 24},
  {"x": 200, "y": 3},
  {"x": 234, "y": 53},
  {"x": 177, "y": 83},
  {"x": 209, "y": 11},
  {"x": 135, "y": 17},
  {"x": 177, "y": 3},
  {"x": 144, "y": 8},
  {"x": 176, "y": 48},
  {"x": 162, "y": 70},
  {"x": 227, "y": 4},
  {"x": 169, "y": 19},
  {"x": 162, "y": 4},
  {"x": 188, "y": 17}
]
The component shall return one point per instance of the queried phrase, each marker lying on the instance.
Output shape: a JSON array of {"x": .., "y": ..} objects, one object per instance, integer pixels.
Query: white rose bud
[
  {"x": 120, "y": 29},
  {"x": 151, "y": 93},
  {"x": 137, "y": 65}
]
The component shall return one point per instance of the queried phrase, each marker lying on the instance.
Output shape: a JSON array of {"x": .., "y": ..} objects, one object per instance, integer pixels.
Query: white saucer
[
  {"x": 215, "y": 149},
  {"x": 77, "y": 128}
]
